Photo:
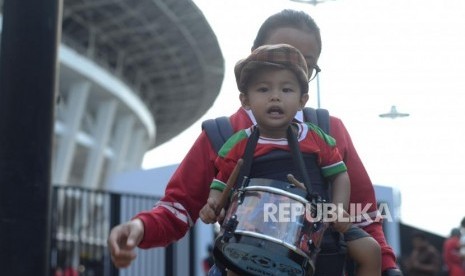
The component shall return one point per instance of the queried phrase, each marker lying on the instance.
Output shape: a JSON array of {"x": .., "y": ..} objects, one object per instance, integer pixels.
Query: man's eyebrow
[{"x": 309, "y": 58}]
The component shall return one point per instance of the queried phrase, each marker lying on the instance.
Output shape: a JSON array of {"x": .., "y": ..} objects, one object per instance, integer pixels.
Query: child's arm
[
  {"x": 213, "y": 210},
  {"x": 341, "y": 189},
  {"x": 341, "y": 195},
  {"x": 208, "y": 212}
]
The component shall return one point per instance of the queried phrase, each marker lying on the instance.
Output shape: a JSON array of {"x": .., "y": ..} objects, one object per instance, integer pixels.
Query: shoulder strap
[
  {"x": 319, "y": 117},
  {"x": 218, "y": 131}
]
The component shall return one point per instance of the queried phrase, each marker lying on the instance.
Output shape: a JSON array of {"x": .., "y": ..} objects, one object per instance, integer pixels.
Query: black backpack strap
[
  {"x": 323, "y": 119},
  {"x": 310, "y": 115},
  {"x": 319, "y": 117},
  {"x": 218, "y": 131}
]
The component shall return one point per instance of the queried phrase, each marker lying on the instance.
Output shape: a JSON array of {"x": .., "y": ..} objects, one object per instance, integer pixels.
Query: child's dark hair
[{"x": 286, "y": 18}]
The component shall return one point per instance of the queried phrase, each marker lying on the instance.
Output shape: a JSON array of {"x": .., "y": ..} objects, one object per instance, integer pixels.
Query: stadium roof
[{"x": 164, "y": 49}]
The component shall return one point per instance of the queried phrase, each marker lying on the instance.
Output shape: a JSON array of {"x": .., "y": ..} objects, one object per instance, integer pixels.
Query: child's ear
[
  {"x": 244, "y": 101},
  {"x": 303, "y": 100}
]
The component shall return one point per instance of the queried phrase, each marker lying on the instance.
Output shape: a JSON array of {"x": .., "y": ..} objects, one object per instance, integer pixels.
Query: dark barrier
[{"x": 81, "y": 221}]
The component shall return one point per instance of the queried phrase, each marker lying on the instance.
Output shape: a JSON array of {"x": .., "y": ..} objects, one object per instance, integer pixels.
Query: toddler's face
[{"x": 274, "y": 96}]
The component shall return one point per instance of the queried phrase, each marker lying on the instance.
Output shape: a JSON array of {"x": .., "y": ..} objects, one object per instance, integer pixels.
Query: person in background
[
  {"x": 453, "y": 262},
  {"x": 208, "y": 261},
  {"x": 424, "y": 259},
  {"x": 189, "y": 187},
  {"x": 462, "y": 240}
]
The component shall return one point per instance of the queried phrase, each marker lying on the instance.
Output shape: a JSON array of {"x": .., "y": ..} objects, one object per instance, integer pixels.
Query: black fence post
[
  {"x": 169, "y": 259},
  {"x": 53, "y": 230},
  {"x": 192, "y": 255},
  {"x": 115, "y": 219},
  {"x": 28, "y": 62}
]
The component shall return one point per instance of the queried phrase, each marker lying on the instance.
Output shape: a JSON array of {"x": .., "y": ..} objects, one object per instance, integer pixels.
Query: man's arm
[
  {"x": 362, "y": 191},
  {"x": 173, "y": 215},
  {"x": 186, "y": 193}
]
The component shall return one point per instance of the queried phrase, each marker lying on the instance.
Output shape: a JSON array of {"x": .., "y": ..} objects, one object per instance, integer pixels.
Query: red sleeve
[
  {"x": 328, "y": 155},
  {"x": 225, "y": 165},
  {"x": 186, "y": 192},
  {"x": 225, "y": 168},
  {"x": 362, "y": 190}
]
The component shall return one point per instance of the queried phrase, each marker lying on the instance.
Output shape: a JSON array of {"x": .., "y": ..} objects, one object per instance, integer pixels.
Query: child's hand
[
  {"x": 207, "y": 213},
  {"x": 214, "y": 211},
  {"x": 296, "y": 182},
  {"x": 342, "y": 224}
]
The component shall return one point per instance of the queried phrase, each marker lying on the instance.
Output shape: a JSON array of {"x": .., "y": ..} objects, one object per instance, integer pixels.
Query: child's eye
[
  {"x": 262, "y": 89},
  {"x": 287, "y": 90}
]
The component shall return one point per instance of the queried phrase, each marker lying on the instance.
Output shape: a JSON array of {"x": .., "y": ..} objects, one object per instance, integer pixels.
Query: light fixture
[
  {"x": 313, "y": 2},
  {"x": 393, "y": 113}
]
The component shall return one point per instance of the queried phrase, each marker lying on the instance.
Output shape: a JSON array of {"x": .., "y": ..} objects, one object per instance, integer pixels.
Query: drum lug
[
  {"x": 229, "y": 228},
  {"x": 240, "y": 196},
  {"x": 311, "y": 245},
  {"x": 241, "y": 191}
]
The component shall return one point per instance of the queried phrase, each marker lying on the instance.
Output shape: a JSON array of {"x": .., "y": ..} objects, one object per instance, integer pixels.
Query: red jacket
[
  {"x": 451, "y": 257},
  {"x": 188, "y": 190}
]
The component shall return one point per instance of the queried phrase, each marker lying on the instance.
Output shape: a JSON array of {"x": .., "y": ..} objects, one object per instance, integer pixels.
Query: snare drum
[{"x": 267, "y": 230}]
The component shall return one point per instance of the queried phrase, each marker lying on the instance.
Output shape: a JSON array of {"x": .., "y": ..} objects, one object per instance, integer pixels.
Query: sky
[{"x": 376, "y": 53}]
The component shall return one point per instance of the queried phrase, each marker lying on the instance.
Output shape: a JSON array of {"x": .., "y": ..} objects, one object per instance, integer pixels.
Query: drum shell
[{"x": 269, "y": 245}]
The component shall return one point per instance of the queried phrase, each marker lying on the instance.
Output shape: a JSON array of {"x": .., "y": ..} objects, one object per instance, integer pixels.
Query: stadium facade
[{"x": 132, "y": 75}]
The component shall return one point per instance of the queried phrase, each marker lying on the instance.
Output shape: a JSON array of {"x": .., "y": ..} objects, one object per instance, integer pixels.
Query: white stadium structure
[{"x": 132, "y": 75}]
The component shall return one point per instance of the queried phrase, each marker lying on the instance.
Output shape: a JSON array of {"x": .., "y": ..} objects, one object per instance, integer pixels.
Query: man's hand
[{"x": 123, "y": 240}]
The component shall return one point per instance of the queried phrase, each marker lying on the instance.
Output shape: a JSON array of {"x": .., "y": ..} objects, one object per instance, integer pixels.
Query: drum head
[{"x": 284, "y": 186}]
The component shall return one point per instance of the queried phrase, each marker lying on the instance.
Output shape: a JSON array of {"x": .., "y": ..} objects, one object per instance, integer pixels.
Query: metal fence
[{"x": 81, "y": 221}]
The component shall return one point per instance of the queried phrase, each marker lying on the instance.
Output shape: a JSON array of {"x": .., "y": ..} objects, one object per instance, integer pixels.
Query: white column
[
  {"x": 137, "y": 149},
  {"x": 74, "y": 110},
  {"x": 122, "y": 138},
  {"x": 105, "y": 117}
]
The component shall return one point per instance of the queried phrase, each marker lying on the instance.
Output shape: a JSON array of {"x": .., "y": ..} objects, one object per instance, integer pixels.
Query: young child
[{"x": 273, "y": 82}]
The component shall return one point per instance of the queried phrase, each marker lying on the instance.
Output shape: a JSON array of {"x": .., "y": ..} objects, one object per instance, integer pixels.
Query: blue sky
[{"x": 376, "y": 53}]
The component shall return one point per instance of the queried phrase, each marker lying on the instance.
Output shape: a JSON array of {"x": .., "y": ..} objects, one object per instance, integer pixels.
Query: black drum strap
[
  {"x": 298, "y": 159},
  {"x": 248, "y": 157},
  {"x": 295, "y": 153}
]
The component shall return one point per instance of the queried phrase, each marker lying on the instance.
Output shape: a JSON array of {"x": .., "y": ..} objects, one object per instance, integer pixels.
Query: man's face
[{"x": 304, "y": 41}]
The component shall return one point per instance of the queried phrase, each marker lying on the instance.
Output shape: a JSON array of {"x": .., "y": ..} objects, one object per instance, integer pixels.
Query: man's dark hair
[
  {"x": 290, "y": 19},
  {"x": 463, "y": 222}
]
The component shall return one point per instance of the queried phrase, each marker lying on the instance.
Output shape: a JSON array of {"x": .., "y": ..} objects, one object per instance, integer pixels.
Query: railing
[{"x": 81, "y": 221}]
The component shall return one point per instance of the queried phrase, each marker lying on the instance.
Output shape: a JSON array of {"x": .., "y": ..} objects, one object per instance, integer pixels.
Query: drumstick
[
  {"x": 296, "y": 182},
  {"x": 229, "y": 185}
]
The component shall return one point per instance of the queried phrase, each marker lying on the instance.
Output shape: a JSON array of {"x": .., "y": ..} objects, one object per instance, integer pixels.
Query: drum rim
[
  {"x": 277, "y": 191},
  {"x": 277, "y": 241},
  {"x": 306, "y": 263}
]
